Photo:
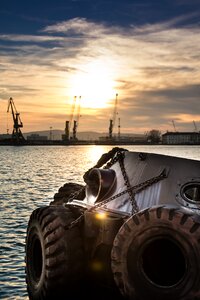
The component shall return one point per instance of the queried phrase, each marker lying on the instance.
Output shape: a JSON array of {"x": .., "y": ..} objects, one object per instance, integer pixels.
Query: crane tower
[
  {"x": 76, "y": 120},
  {"x": 119, "y": 126},
  {"x": 112, "y": 121},
  {"x": 76, "y": 106},
  {"x": 17, "y": 123},
  {"x": 72, "y": 111},
  {"x": 195, "y": 126},
  {"x": 173, "y": 123}
]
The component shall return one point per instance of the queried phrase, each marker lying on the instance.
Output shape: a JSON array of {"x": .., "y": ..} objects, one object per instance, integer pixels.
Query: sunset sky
[{"x": 146, "y": 51}]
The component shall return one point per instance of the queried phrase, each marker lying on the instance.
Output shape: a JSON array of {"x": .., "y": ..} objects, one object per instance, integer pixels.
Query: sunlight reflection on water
[{"x": 29, "y": 178}]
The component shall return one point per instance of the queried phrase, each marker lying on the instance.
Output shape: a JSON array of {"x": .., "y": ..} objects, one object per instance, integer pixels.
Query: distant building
[
  {"x": 37, "y": 137},
  {"x": 129, "y": 139},
  {"x": 181, "y": 138},
  {"x": 5, "y": 136}
]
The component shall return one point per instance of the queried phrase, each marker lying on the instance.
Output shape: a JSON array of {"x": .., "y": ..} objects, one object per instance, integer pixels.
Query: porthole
[{"x": 190, "y": 192}]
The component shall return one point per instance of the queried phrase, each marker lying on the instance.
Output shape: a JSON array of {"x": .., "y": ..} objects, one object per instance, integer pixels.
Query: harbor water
[{"x": 29, "y": 178}]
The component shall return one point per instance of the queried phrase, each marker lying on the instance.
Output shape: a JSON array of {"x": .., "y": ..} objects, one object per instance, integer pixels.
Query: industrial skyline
[{"x": 147, "y": 52}]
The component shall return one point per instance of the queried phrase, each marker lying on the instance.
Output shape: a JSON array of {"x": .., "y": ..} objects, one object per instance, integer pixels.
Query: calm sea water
[{"x": 29, "y": 178}]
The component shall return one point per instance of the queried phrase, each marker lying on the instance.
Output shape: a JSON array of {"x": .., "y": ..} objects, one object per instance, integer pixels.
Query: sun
[{"x": 95, "y": 85}]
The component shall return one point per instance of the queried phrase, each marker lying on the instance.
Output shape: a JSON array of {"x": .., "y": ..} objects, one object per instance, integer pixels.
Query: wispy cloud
[
  {"x": 74, "y": 27},
  {"x": 30, "y": 38},
  {"x": 156, "y": 69}
]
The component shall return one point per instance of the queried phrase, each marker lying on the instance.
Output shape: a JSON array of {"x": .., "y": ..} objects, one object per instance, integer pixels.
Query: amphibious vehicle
[{"x": 132, "y": 231}]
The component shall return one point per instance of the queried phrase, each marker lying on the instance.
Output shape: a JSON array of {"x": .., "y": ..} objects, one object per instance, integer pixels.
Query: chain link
[
  {"x": 115, "y": 158},
  {"x": 74, "y": 195},
  {"x": 134, "y": 190},
  {"x": 119, "y": 157},
  {"x": 111, "y": 160},
  {"x": 135, "y": 208}
]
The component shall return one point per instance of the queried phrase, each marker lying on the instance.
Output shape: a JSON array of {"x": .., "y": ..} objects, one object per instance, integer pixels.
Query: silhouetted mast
[
  {"x": 112, "y": 121},
  {"x": 66, "y": 135},
  {"x": 119, "y": 127},
  {"x": 72, "y": 111},
  {"x": 76, "y": 121},
  {"x": 174, "y": 125},
  {"x": 195, "y": 126},
  {"x": 110, "y": 129}
]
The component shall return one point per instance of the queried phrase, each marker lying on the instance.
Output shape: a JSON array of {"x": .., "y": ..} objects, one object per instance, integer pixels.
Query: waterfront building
[
  {"x": 181, "y": 138},
  {"x": 5, "y": 136},
  {"x": 37, "y": 137}
]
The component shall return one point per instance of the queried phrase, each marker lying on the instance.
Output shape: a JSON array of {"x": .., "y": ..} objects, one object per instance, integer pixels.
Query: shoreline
[{"x": 87, "y": 143}]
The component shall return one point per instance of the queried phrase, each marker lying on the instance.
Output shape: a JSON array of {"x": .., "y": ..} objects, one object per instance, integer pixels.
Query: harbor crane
[
  {"x": 195, "y": 126},
  {"x": 76, "y": 121},
  {"x": 65, "y": 136},
  {"x": 68, "y": 123},
  {"x": 17, "y": 123},
  {"x": 112, "y": 121},
  {"x": 173, "y": 123},
  {"x": 119, "y": 127},
  {"x": 72, "y": 111}
]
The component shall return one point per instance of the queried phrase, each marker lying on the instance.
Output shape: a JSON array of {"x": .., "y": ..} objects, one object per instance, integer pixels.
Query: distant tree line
[{"x": 154, "y": 136}]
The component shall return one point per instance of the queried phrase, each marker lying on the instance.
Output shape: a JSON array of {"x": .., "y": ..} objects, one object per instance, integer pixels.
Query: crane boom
[
  {"x": 72, "y": 111},
  {"x": 112, "y": 121},
  {"x": 119, "y": 126},
  {"x": 17, "y": 123},
  {"x": 174, "y": 125},
  {"x": 78, "y": 111},
  {"x": 115, "y": 110},
  {"x": 76, "y": 121},
  {"x": 195, "y": 126}
]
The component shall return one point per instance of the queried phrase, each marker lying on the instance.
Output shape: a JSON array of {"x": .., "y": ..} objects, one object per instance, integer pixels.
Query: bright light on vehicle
[
  {"x": 97, "y": 266},
  {"x": 100, "y": 215}
]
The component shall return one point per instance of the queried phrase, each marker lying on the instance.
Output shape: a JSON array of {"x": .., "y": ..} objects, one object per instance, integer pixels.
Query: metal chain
[
  {"x": 115, "y": 158},
  {"x": 119, "y": 157},
  {"x": 135, "y": 208},
  {"x": 119, "y": 152},
  {"x": 74, "y": 195},
  {"x": 107, "y": 159},
  {"x": 76, "y": 222},
  {"x": 134, "y": 189},
  {"x": 116, "y": 154}
]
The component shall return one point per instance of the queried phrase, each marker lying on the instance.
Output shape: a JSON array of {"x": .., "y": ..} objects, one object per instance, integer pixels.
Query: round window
[{"x": 191, "y": 192}]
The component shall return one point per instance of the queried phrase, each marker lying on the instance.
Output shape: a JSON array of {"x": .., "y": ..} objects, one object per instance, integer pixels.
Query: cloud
[
  {"x": 76, "y": 27},
  {"x": 163, "y": 26},
  {"x": 155, "y": 69},
  {"x": 29, "y": 38}
]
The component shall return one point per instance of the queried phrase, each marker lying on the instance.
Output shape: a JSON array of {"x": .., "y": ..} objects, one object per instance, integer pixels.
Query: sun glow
[{"x": 95, "y": 85}]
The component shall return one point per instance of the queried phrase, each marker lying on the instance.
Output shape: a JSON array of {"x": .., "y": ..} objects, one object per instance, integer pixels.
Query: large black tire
[
  {"x": 66, "y": 191},
  {"x": 54, "y": 254},
  {"x": 156, "y": 255}
]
